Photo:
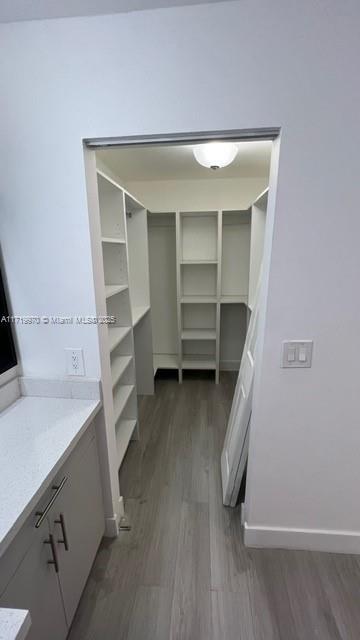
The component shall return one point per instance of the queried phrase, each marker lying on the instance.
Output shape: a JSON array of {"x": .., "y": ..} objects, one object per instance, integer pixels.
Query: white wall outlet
[
  {"x": 297, "y": 354},
  {"x": 75, "y": 362}
]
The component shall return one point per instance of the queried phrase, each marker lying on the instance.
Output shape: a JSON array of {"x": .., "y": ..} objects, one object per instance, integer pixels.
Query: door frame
[
  {"x": 235, "y": 135},
  {"x": 90, "y": 145}
]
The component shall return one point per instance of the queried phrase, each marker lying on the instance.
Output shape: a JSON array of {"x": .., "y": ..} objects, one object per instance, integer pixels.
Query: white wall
[
  {"x": 251, "y": 63},
  {"x": 198, "y": 195}
]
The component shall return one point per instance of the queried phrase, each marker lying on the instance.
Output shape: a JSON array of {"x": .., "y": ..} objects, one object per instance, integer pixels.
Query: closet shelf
[
  {"x": 198, "y": 262},
  {"x": 124, "y": 432},
  {"x": 138, "y": 313},
  {"x": 116, "y": 335},
  {"x": 118, "y": 368},
  {"x": 122, "y": 394},
  {"x": 112, "y": 240},
  {"x": 198, "y": 299},
  {"x": 238, "y": 299},
  {"x": 165, "y": 361},
  {"x": 198, "y": 362},
  {"x": 198, "y": 334},
  {"x": 113, "y": 289}
]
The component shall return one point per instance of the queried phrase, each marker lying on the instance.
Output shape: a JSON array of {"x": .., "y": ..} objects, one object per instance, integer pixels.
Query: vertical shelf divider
[
  {"x": 139, "y": 286},
  {"x": 178, "y": 290},
  {"x": 136, "y": 432},
  {"x": 218, "y": 294}
]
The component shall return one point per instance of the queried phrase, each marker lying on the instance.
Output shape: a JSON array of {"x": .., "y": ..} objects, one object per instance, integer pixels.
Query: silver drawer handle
[{"x": 42, "y": 514}]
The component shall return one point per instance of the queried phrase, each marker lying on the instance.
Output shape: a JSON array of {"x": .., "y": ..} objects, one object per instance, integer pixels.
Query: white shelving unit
[
  {"x": 199, "y": 267},
  {"x": 117, "y": 297},
  {"x": 198, "y": 264},
  {"x": 123, "y": 239}
]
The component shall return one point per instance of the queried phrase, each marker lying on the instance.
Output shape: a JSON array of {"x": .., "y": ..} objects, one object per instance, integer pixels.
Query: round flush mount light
[{"x": 215, "y": 155}]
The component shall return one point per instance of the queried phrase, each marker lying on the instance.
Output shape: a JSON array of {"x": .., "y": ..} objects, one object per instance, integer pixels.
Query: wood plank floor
[{"x": 182, "y": 572}]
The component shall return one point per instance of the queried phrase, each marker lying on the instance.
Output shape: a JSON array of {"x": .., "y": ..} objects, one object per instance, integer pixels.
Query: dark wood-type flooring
[{"x": 182, "y": 572}]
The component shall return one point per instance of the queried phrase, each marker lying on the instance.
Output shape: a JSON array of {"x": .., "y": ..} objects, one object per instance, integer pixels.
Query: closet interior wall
[{"x": 163, "y": 292}]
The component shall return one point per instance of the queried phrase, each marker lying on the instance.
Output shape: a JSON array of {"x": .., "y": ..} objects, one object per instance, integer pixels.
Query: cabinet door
[
  {"x": 77, "y": 523},
  {"x": 35, "y": 587}
]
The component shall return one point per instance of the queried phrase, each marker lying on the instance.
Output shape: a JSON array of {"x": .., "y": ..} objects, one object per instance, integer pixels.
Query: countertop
[
  {"x": 14, "y": 624},
  {"x": 36, "y": 437}
]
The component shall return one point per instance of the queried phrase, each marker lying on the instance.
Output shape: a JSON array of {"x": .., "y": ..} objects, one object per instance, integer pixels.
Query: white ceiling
[
  {"x": 178, "y": 163},
  {"x": 17, "y": 10}
]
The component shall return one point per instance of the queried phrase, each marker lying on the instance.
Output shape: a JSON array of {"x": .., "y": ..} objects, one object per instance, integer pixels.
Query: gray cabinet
[
  {"x": 46, "y": 567},
  {"x": 35, "y": 587},
  {"x": 77, "y": 524}
]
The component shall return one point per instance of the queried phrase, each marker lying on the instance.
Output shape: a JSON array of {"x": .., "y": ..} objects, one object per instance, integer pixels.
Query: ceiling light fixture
[{"x": 215, "y": 155}]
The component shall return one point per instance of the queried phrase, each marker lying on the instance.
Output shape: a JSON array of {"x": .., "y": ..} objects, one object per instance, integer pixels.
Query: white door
[{"x": 235, "y": 450}]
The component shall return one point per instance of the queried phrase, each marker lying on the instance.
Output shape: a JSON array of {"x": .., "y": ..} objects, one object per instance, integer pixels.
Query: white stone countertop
[
  {"x": 36, "y": 437},
  {"x": 14, "y": 624}
]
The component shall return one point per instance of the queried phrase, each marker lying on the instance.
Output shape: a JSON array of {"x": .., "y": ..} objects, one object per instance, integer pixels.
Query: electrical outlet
[{"x": 74, "y": 362}]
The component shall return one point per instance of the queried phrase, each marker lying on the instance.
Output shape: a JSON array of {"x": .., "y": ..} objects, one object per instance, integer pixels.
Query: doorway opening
[{"x": 178, "y": 242}]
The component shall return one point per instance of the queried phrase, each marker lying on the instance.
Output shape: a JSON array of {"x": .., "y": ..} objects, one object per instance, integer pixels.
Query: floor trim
[
  {"x": 111, "y": 527},
  {"x": 333, "y": 541}
]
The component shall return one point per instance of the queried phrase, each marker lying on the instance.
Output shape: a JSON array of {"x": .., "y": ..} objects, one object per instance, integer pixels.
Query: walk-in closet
[{"x": 181, "y": 251}]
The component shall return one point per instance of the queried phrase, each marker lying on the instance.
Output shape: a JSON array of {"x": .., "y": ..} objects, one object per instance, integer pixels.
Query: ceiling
[
  {"x": 17, "y": 10},
  {"x": 178, "y": 163}
]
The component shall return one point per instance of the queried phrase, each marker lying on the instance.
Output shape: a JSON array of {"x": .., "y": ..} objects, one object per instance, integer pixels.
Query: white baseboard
[
  {"x": 112, "y": 523},
  {"x": 229, "y": 365},
  {"x": 111, "y": 527},
  {"x": 121, "y": 507},
  {"x": 333, "y": 541}
]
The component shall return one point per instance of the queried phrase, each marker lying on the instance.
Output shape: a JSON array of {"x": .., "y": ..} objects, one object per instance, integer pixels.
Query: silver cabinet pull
[
  {"x": 42, "y": 514},
  {"x": 64, "y": 539},
  {"x": 54, "y": 560}
]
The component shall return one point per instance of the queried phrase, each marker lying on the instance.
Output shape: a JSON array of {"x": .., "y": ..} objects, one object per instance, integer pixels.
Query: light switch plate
[{"x": 297, "y": 354}]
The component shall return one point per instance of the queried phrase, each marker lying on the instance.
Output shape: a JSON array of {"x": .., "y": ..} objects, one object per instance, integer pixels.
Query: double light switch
[{"x": 297, "y": 354}]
